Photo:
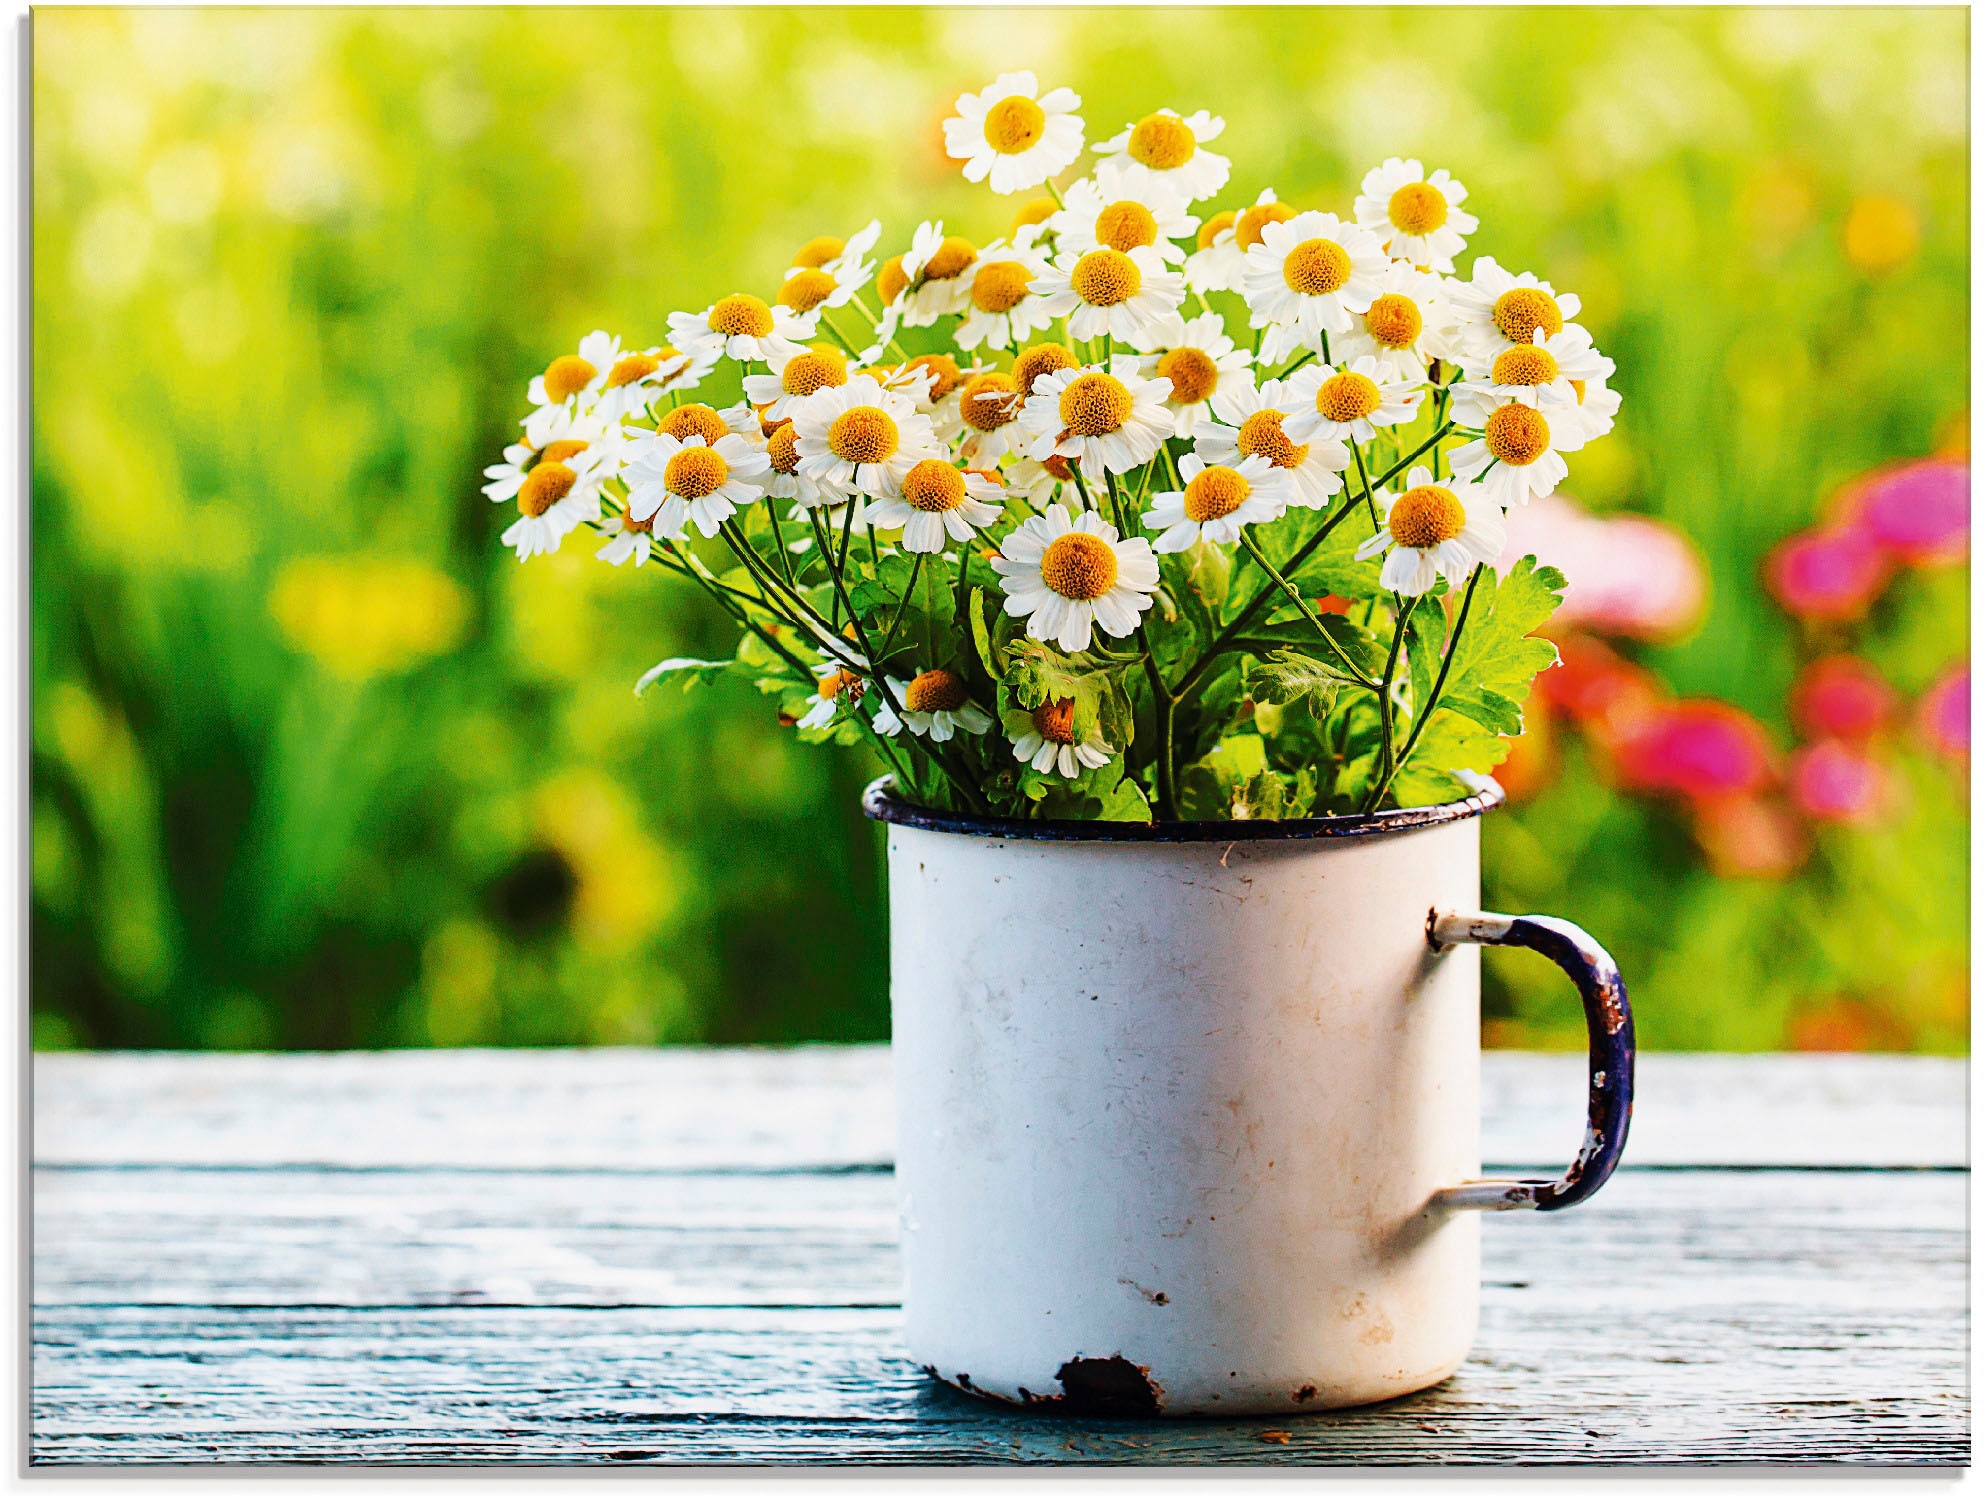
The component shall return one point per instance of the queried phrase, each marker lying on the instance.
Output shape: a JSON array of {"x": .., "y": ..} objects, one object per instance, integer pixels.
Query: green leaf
[
  {"x": 686, "y": 673},
  {"x": 993, "y": 660},
  {"x": 1286, "y": 676}
]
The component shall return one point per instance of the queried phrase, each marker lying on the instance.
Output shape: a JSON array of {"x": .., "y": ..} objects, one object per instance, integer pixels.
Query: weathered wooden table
[{"x": 690, "y": 1256}]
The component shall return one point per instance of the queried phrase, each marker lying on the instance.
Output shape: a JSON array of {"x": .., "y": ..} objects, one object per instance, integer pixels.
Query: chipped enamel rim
[{"x": 881, "y": 803}]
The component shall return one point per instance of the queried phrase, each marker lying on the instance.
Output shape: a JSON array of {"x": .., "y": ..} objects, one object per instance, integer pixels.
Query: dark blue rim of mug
[{"x": 881, "y": 803}]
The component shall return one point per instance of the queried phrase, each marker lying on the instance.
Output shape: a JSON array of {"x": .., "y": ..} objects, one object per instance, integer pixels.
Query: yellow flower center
[
  {"x": 566, "y": 376},
  {"x": 1163, "y": 142},
  {"x": 1126, "y": 225},
  {"x": 1247, "y": 230},
  {"x": 1055, "y": 720},
  {"x": 989, "y": 401},
  {"x": 1035, "y": 210},
  {"x": 863, "y": 434},
  {"x": 1525, "y": 365},
  {"x": 1522, "y": 309},
  {"x": 815, "y": 369},
  {"x": 1013, "y": 124},
  {"x": 806, "y": 290},
  {"x": 934, "y": 691},
  {"x": 1079, "y": 565},
  {"x": 1426, "y": 516},
  {"x": 1095, "y": 405},
  {"x": 1578, "y": 386},
  {"x": 1517, "y": 434},
  {"x": 933, "y": 486},
  {"x": 544, "y": 486},
  {"x": 561, "y": 451},
  {"x": 1106, "y": 277},
  {"x": 695, "y": 473},
  {"x": 741, "y": 316},
  {"x": 1316, "y": 267},
  {"x": 686, "y": 421},
  {"x": 783, "y": 449},
  {"x": 890, "y": 282},
  {"x": 950, "y": 260},
  {"x": 669, "y": 354},
  {"x": 1394, "y": 321},
  {"x": 1346, "y": 397},
  {"x": 1261, "y": 436},
  {"x": 1216, "y": 225},
  {"x": 639, "y": 526},
  {"x": 818, "y": 251},
  {"x": 840, "y": 681},
  {"x": 1417, "y": 208},
  {"x": 1214, "y": 494},
  {"x": 1192, "y": 373},
  {"x": 1000, "y": 286},
  {"x": 1041, "y": 358},
  {"x": 945, "y": 375},
  {"x": 635, "y": 366}
]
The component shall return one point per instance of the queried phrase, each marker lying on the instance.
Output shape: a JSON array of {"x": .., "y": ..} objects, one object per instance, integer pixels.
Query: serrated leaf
[
  {"x": 1287, "y": 676},
  {"x": 1485, "y": 705}
]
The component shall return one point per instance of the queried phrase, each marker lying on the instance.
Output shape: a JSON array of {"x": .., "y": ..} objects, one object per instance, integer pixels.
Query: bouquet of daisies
[{"x": 1143, "y": 510}]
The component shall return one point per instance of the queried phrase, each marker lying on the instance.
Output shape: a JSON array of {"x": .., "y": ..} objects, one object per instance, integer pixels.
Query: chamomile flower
[
  {"x": 988, "y": 407},
  {"x": 1104, "y": 212},
  {"x": 1305, "y": 277},
  {"x": 806, "y": 292},
  {"x": 576, "y": 379},
  {"x": 1014, "y": 134},
  {"x": 1543, "y": 373},
  {"x": 935, "y": 269},
  {"x": 629, "y": 539},
  {"x": 1254, "y": 416},
  {"x": 711, "y": 424},
  {"x": 1198, "y": 358},
  {"x": 860, "y": 438},
  {"x": 740, "y": 327},
  {"x": 673, "y": 481},
  {"x": 1039, "y": 483},
  {"x": 1123, "y": 294},
  {"x": 1002, "y": 307},
  {"x": 793, "y": 377},
  {"x": 1216, "y": 501},
  {"x": 1221, "y": 259},
  {"x": 635, "y": 378},
  {"x": 937, "y": 704},
  {"x": 838, "y": 688},
  {"x": 1434, "y": 530},
  {"x": 1405, "y": 324},
  {"x": 937, "y": 503},
  {"x": 1518, "y": 456},
  {"x": 556, "y": 497},
  {"x": 1497, "y": 310},
  {"x": 1109, "y": 422},
  {"x": 1068, "y": 577},
  {"x": 1046, "y": 742},
  {"x": 1349, "y": 401},
  {"x": 785, "y": 481},
  {"x": 1598, "y": 404},
  {"x": 932, "y": 382},
  {"x": 826, "y": 252},
  {"x": 557, "y": 433},
  {"x": 1418, "y": 216},
  {"x": 1167, "y": 150}
]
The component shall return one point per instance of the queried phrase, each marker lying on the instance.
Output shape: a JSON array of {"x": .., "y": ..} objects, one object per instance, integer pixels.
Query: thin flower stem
[
  {"x": 902, "y": 606},
  {"x": 1260, "y": 559},
  {"x": 763, "y": 575},
  {"x": 839, "y": 336},
  {"x": 1297, "y": 364},
  {"x": 1439, "y": 685},
  {"x": 726, "y": 599},
  {"x": 1365, "y": 478},
  {"x": 778, "y": 539},
  {"x": 1386, "y": 764},
  {"x": 1167, "y": 790}
]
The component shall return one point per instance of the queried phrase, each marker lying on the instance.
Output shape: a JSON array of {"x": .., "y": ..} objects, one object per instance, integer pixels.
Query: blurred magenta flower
[
  {"x": 1833, "y": 780},
  {"x": 1944, "y": 713},
  {"x": 1750, "y": 836},
  {"x": 1827, "y": 574},
  {"x": 1841, "y": 696},
  {"x": 1698, "y": 748},
  {"x": 1920, "y": 513},
  {"x": 1629, "y": 575}
]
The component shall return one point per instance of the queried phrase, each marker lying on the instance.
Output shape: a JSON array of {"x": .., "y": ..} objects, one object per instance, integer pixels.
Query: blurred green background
[{"x": 316, "y": 764}]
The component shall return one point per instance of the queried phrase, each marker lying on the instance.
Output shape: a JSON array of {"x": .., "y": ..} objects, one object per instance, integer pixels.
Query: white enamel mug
[{"x": 1188, "y": 1114}]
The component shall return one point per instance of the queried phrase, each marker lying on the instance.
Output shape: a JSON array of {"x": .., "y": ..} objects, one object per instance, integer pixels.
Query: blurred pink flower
[
  {"x": 1750, "y": 836},
  {"x": 1697, "y": 748},
  {"x": 1827, "y": 574},
  {"x": 1628, "y": 574},
  {"x": 1920, "y": 513},
  {"x": 1832, "y": 780},
  {"x": 1841, "y": 696},
  {"x": 1944, "y": 713},
  {"x": 1591, "y": 684}
]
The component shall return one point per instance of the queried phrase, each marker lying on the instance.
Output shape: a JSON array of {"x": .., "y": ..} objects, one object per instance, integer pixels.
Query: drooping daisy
[
  {"x": 1546, "y": 372},
  {"x": 1405, "y": 324},
  {"x": 1067, "y": 577},
  {"x": 937, "y": 502},
  {"x": 1305, "y": 277},
  {"x": 838, "y": 688},
  {"x": 556, "y": 497},
  {"x": 577, "y": 378},
  {"x": 1221, "y": 259},
  {"x": 1197, "y": 358},
  {"x": 934, "y": 268},
  {"x": 1168, "y": 150},
  {"x": 1254, "y": 416},
  {"x": 1014, "y": 134},
  {"x": 740, "y": 327},
  {"x": 1124, "y": 294},
  {"x": 635, "y": 378},
  {"x": 1418, "y": 216},
  {"x": 1108, "y": 422},
  {"x": 1216, "y": 501},
  {"x": 1046, "y": 740},
  {"x": 672, "y": 481},
  {"x": 1517, "y": 456},
  {"x": 1001, "y": 305},
  {"x": 937, "y": 704},
  {"x": 861, "y": 438},
  {"x": 1105, "y": 212},
  {"x": 629, "y": 539},
  {"x": 1497, "y": 310},
  {"x": 989, "y": 409},
  {"x": 793, "y": 378},
  {"x": 1434, "y": 530},
  {"x": 1349, "y": 401}
]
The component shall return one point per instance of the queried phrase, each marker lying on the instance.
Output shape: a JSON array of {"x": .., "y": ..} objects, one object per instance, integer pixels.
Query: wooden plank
[{"x": 826, "y": 1107}]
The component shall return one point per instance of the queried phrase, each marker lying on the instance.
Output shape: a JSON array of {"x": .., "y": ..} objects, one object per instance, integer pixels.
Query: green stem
[
  {"x": 1439, "y": 685},
  {"x": 1294, "y": 594},
  {"x": 1365, "y": 478},
  {"x": 902, "y": 606},
  {"x": 1386, "y": 764},
  {"x": 1167, "y": 791}
]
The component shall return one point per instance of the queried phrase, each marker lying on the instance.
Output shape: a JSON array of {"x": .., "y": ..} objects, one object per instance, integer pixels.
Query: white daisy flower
[
  {"x": 1304, "y": 279},
  {"x": 1038, "y": 483},
  {"x": 1125, "y": 295},
  {"x": 1546, "y": 372},
  {"x": 1104, "y": 212},
  {"x": 1434, "y": 530},
  {"x": 837, "y": 688},
  {"x": 1198, "y": 359},
  {"x": 934, "y": 268},
  {"x": 827, "y": 252},
  {"x": 1167, "y": 150},
  {"x": 629, "y": 539},
  {"x": 1598, "y": 404},
  {"x": 1216, "y": 501},
  {"x": 782, "y": 451},
  {"x": 1001, "y": 305},
  {"x": 936, "y": 705},
  {"x": 1067, "y": 577},
  {"x": 1518, "y": 455},
  {"x": 793, "y": 377},
  {"x": 1349, "y": 401},
  {"x": 1109, "y": 422},
  {"x": 672, "y": 481},
  {"x": 1014, "y": 134},
  {"x": 1418, "y": 216},
  {"x": 1254, "y": 417},
  {"x": 555, "y": 498},
  {"x": 1221, "y": 258},
  {"x": 861, "y": 438},
  {"x": 829, "y": 271},
  {"x": 932, "y": 382},
  {"x": 1497, "y": 310},
  {"x": 556, "y": 433},
  {"x": 576, "y": 379},
  {"x": 1048, "y": 742},
  {"x": 636, "y": 378},
  {"x": 988, "y": 407},
  {"x": 1405, "y": 324},
  {"x": 740, "y": 327},
  {"x": 937, "y": 503}
]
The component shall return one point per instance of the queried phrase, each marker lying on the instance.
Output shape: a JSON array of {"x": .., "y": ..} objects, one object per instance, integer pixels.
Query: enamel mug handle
[{"x": 1608, "y": 1019}]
